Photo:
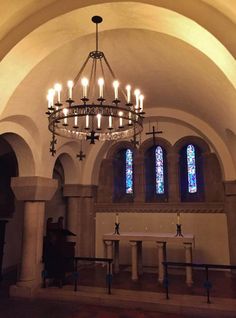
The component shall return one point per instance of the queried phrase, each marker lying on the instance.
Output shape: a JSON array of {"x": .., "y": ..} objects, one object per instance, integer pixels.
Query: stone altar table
[{"x": 136, "y": 238}]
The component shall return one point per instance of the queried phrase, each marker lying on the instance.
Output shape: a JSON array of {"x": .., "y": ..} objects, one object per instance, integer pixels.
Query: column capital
[
  {"x": 79, "y": 190},
  {"x": 33, "y": 188},
  {"x": 230, "y": 188}
]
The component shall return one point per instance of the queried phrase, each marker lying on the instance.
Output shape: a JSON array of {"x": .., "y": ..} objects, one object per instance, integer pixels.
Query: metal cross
[
  {"x": 154, "y": 133},
  {"x": 92, "y": 137},
  {"x": 53, "y": 142},
  {"x": 81, "y": 155}
]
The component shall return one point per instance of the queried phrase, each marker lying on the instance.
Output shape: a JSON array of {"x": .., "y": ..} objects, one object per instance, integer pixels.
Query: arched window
[
  {"x": 191, "y": 166},
  {"x": 129, "y": 171},
  {"x": 123, "y": 176},
  {"x": 160, "y": 185},
  {"x": 191, "y": 173},
  {"x": 156, "y": 174}
]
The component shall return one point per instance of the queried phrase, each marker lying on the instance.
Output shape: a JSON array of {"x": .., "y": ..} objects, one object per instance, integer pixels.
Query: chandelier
[{"x": 105, "y": 111}]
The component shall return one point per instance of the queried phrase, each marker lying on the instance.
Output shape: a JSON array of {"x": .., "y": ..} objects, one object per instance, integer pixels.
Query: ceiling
[{"x": 180, "y": 53}]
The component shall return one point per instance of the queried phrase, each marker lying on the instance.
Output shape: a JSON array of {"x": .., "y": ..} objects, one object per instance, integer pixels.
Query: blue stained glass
[
  {"x": 191, "y": 166},
  {"x": 159, "y": 170},
  {"x": 129, "y": 171}
]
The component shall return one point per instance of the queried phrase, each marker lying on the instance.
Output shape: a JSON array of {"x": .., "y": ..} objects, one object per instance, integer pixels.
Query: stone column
[
  {"x": 116, "y": 257},
  {"x": 140, "y": 258},
  {"x": 109, "y": 251},
  {"x": 230, "y": 209},
  {"x": 139, "y": 179},
  {"x": 134, "y": 260},
  {"x": 173, "y": 177},
  {"x": 81, "y": 217},
  {"x": 188, "y": 259},
  {"x": 161, "y": 258},
  {"x": 34, "y": 191}
]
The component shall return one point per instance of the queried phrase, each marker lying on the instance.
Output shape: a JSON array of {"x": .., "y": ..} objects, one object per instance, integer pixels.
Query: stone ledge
[{"x": 187, "y": 207}]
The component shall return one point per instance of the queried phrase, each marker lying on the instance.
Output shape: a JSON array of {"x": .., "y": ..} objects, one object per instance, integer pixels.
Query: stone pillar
[
  {"x": 161, "y": 258},
  {"x": 230, "y": 209},
  {"x": 173, "y": 177},
  {"x": 81, "y": 217},
  {"x": 134, "y": 260},
  {"x": 139, "y": 179},
  {"x": 188, "y": 259},
  {"x": 109, "y": 251},
  {"x": 34, "y": 191}
]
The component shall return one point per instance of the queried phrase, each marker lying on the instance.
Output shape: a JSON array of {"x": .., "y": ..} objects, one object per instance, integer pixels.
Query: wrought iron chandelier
[{"x": 105, "y": 111}]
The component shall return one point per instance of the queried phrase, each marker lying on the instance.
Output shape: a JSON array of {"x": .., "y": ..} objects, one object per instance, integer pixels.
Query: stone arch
[
  {"x": 148, "y": 143},
  {"x": 119, "y": 146},
  {"x": 202, "y": 144},
  {"x": 69, "y": 167},
  {"x": 24, "y": 154}
]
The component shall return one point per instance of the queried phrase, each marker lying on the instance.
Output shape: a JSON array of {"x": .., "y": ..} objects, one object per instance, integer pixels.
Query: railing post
[
  {"x": 207, "y": 285},
  {"x": 166, "y": 279},
  {"x": 75, "y": 274}
]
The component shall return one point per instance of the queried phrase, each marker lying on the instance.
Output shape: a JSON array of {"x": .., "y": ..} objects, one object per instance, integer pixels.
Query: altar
[{"x": 111, "y": 242}]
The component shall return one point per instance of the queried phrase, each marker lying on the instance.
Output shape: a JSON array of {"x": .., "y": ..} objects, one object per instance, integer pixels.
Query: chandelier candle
[
  {"x": 70, "y": 85},
  {"x": 96, "y": 116}
]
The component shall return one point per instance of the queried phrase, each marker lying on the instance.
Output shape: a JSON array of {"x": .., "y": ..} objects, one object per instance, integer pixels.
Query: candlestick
[
  {"x": 87, "y": 121},
  {"x": 137, "y": 93},
  {"x": 110, "y": 122},
  {"x": 116, "y": 85},
  {"x": 58, "y": 88},
  {"x": 121, "y": 119},
  {"x": 65, "y": 112},
  {"x": 84, "y": 83},
  {"x": 117, "y": 218},
  {"x": 141, "y": 98},
  {"x": 99, "y": 116},
  {"x": 128, "y": 90},
  {"x": 70, "y": 85},
  {"x": 178, "y": 218},
  {"x": 101, "y": 83}
]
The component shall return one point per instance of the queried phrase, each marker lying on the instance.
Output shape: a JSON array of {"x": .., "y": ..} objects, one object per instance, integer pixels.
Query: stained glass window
[
  {"x": 129, "y": 171},
  {"x": 191, "y": 166},
  {"x": 159, "y": 170}
]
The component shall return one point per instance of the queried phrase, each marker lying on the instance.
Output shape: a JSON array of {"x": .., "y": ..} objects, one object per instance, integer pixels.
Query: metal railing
[
  {"x": 94, "y": 259},
  {"x": 207, "y": 283}
]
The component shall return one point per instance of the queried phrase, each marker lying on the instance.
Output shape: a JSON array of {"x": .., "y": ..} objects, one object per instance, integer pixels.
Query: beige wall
[{"x": 210, "y": 230}]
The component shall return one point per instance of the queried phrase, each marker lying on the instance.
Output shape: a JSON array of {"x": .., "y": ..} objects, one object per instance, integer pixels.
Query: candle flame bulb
[
  {"x": 58, "y": 88},
  {"x": 99, "y": 116},
  {"x": 70, "y": 85},
  {"x": 128, "y": 90},
  {"x": 137, "y": 93},
  {"x": 101, "y": 84},
  {"x": 141, "y": 98},
  {"x": 116, "y": 85},
  {"x": 84, "y": 83}
]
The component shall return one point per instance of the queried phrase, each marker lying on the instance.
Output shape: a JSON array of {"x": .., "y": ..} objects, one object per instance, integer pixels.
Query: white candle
[
  {"x": 137, "y": 93},
  {"x": 76, "y": 121},
  {"x": 84, "y": 83},
  {"x": 50, "y": 96},
  {"x": 110, "y": 122},
  {"x": 117, "y": 218},
  {"x": 87, "y": 121},
  {"x": 141, "y": 98},
  {"x": 130, "y": 121},
  {"x": 121, "y": 119},
  {"x": 65, "y": 112},
  {"x": 128, "y": 90},
  {"x": 99, "y": 116},
  {"x": 101, "y": 84},
  {"x": 58, "y": 89},
  {"x": 178, "y": 218},
  {"x": 70, "y": 85},
  {"x": 116, "y": 85}
]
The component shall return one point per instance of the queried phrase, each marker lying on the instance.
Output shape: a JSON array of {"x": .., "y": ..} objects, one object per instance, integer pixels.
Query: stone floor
[{"x": 224, "y": 285}]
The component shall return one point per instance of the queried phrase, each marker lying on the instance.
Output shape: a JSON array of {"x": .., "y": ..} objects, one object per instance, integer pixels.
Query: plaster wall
[{"x": 210, "y": 231}]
